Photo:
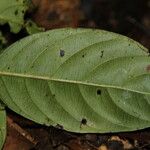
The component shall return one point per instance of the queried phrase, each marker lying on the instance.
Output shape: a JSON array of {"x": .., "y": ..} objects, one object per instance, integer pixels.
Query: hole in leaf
[
  {"x": 99, "y": 92},
  {"x": 84, "y": 121},
  {"x": 16, "y": 12},
  {"x": 102, "y": 53},
  {"x": 62, "y": 53}
]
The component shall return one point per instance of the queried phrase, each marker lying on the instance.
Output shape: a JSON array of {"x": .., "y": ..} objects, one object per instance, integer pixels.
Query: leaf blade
[{"x": 61, "y": 62}]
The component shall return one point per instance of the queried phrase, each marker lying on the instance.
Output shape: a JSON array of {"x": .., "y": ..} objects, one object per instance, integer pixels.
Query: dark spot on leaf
[
  {"x": 83, "y": 121},
  {"x": 148, "y": 68},
  {"x": 83, "y": 55},
  {"x": 23, "y": 11},
  {"x": 16, "y": 12},
  {"x": 62, "y": 53},
  {"x": 99, "y": 92},
  {"x": 131, "y": 76},
  {"x": 8, "y": 68},
  {"x": 48, "y": 120},
  {"x": 102, "y": 53},
  {"x": 53, "y": 95},
  {"x": 58, "y": 126},
  {"x": 129, "y": 44},
  {"x": 132, "y": 57}
]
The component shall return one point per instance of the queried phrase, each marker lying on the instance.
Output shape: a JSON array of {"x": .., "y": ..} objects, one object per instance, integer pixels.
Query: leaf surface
[{"x": 84, "y": 80}]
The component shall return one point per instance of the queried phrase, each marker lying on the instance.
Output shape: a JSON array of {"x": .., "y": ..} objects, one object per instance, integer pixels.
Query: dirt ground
[{"x": 127, "y": 17}]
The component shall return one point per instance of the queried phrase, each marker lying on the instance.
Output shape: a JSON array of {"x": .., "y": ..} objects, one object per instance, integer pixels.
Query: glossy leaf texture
[
  {"x": 2, "y": 126},
  {"x": 80, "y": 79},
  {"x": 12, "y": 12}
]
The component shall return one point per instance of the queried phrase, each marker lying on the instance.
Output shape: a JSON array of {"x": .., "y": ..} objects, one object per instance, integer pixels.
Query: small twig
[{"x": 21, "y": 131}]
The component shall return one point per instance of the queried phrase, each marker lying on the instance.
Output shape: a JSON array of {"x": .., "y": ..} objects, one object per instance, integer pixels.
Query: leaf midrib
[{"x": 46, "y": 78}]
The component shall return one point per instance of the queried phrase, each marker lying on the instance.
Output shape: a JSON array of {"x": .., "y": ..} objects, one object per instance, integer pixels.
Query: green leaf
[
  {"x": 84, "y": 80},
  {"x": 12, "y": 12},
  {"x": 2, "y": 126},
  {"x": 32, "y": 28}
]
